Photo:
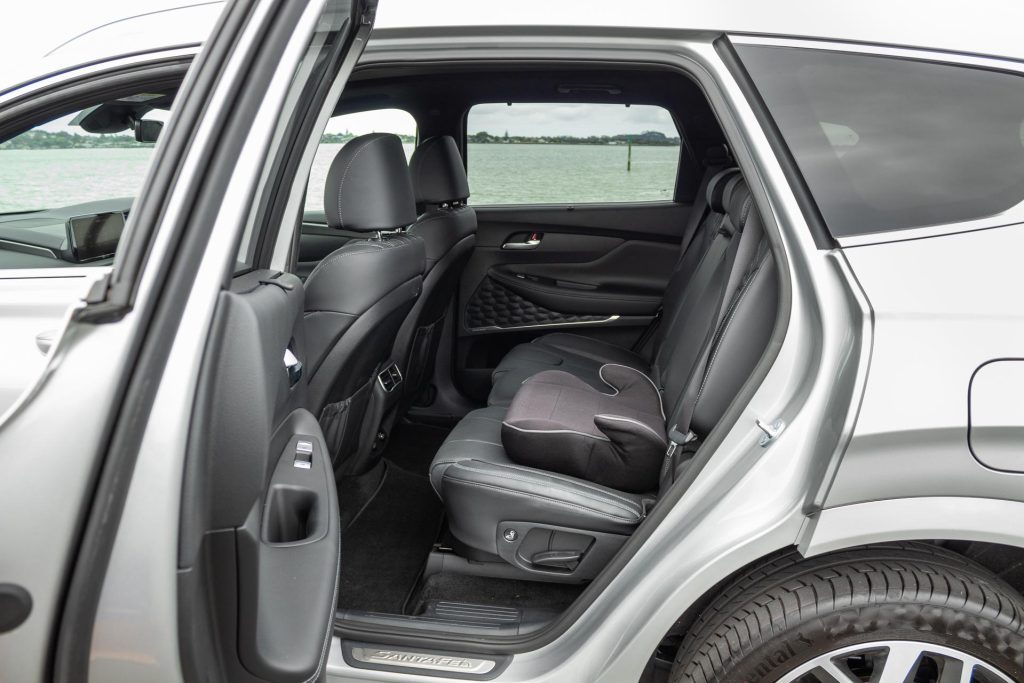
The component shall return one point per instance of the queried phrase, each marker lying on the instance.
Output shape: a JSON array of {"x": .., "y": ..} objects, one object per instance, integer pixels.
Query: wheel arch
[
  {"x": 987, "y": 531},
  {"x": 946, "y": 518}
]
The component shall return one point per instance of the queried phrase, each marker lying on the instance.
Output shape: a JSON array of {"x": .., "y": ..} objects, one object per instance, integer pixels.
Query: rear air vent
[{"x": 390, "y": 377}]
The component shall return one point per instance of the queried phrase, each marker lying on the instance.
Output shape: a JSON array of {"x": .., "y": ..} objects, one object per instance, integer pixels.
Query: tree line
[
  {"x": 648, "y": 137},
  {"x": 45, "y": 139}
]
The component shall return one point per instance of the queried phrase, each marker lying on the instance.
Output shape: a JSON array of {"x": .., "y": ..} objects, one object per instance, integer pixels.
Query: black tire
[{"x": 788, "y": 610}]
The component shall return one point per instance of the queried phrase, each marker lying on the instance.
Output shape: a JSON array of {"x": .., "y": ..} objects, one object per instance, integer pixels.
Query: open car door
[{"x": 187, "y": 528}]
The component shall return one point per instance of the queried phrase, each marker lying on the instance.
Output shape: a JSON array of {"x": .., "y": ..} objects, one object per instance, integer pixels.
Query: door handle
[{"x": 531, "y": 242}]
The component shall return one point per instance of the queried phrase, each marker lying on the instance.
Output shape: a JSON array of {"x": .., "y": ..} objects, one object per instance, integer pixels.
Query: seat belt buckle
[{"x": 677, "y": 439}]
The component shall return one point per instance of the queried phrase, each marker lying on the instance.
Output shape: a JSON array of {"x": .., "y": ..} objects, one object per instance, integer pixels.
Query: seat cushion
[
  {"x": 615, "y": 437},
  {"x": 572, "y": 353},
  {"x": 482, "y": 487}
]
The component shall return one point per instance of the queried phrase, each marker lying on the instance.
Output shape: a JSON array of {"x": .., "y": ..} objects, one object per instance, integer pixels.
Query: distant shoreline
[{"x": 42, "y": 140}]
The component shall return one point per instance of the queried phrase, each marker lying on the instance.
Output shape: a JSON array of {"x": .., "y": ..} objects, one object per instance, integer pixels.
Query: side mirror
[{"x": 148, "y": 130}]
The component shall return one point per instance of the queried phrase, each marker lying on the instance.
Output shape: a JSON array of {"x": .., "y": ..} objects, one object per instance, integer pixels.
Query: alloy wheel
[{"x": 896, "y": 661}]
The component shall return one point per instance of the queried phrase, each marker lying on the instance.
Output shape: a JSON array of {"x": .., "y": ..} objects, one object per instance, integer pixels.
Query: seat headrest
[
  {"x": 717, "y": 155},
  {"x": 737, "y": 200},
  {"x": 368, "y": 185},
  {"x": 438, "y": 174},
  {"x": 716, "y": 189}
]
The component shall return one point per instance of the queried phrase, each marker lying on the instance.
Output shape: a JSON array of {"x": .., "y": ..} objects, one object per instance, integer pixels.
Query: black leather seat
[
  {"x": 447, "y": 227},
  {"x": 582, "y": 356},
  {"x": 359, "y": 295},
  {"x": 559, "y": 527}
]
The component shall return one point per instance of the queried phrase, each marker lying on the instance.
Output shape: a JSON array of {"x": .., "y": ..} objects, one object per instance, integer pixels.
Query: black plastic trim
[
  {"x": 15, "y": 606},
  {"x": 819, "y": 232}
]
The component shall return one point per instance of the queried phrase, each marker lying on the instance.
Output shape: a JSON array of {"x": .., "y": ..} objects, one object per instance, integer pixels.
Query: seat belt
[
  {"x": 688, "y": 234},
  {"x": 740, "y": 263}
]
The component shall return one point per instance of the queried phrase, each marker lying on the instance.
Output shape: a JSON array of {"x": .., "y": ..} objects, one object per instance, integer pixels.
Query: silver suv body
[{"x": 854, "y": 513}]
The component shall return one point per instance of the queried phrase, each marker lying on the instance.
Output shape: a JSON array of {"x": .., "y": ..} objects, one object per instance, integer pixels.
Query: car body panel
[
  {"x": 939, "y": 315},
  {"x": 883, "y": 306},
  {"x": 953, "y": 518},
  {"x": 34, "y": 311}
]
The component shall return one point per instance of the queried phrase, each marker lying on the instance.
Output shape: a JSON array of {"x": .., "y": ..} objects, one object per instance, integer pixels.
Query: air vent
[{"x": 390, "y": 377}]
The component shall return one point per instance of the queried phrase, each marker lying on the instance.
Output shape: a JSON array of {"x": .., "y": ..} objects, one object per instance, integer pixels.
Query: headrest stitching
[{"x": 341, "y": 184}]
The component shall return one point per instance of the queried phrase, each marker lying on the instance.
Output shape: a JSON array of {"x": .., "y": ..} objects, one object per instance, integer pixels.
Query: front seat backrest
[
  {"x": 358, "y": 296},
  {"x": 448, "y": 230}
]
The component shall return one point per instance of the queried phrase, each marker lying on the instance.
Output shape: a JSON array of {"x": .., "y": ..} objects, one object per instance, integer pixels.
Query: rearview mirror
[{"x": 148, "y": 130}]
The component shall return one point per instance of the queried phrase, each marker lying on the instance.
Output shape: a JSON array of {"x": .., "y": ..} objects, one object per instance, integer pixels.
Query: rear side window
[
  {"x": 571, "y": 153},
  {"x": 889, "y": 144}
]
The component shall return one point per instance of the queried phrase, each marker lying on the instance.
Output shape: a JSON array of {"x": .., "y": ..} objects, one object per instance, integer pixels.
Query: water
[
  {"x": 48, "y": 178},
  {"x": 498, "y": 174}
]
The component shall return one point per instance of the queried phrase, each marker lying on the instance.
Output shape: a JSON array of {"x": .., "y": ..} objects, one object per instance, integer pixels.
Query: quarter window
[
  {"x": 887, "y": 143},
  {"x": 571, "y": 153}
]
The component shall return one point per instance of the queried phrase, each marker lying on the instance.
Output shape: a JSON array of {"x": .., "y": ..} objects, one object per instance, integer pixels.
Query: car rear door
[{"x": 184, "y": 511}]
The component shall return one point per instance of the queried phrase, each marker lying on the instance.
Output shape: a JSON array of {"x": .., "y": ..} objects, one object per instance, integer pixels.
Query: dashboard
[{"x": 76, "y": 235}]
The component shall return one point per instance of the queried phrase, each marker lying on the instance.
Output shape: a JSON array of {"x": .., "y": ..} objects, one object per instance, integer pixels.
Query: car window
[
  {"x": 67, "y": 185},
  {"x": 886, "y": 143},
  {"x": 571, "y": 153},
  {"x": 341, "y": 129}
]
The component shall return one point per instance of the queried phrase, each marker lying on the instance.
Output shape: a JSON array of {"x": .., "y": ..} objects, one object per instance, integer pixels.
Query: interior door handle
[{"x": 530, "y": 242}]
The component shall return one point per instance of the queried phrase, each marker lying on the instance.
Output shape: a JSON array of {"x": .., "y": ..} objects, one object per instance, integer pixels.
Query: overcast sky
[{"x": 568, "y": 119}]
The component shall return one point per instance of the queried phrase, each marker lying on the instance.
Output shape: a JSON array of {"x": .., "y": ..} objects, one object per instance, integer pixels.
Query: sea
[{"x": 498, "y": 174}]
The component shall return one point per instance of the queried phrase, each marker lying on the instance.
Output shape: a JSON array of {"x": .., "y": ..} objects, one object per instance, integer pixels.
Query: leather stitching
[
  {"x": 341, "y": 184},
  {"x": 359, "y": 248},
  {"x": 595, "y": 437},
  {"x": 553, "y": 501},
  {"x": 571, "y": 482}
]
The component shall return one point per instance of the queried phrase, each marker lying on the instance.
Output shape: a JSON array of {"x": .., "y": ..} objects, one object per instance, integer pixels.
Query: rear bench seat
[
  {"x": 583, "y": 356},
  {"x": 560, "y": 527}
]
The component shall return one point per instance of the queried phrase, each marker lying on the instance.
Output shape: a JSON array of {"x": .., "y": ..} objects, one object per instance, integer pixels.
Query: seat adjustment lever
[{"x": 556, "y": 558}]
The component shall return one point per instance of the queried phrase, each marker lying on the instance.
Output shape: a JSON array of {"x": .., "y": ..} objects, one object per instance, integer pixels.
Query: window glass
[
  {"x": 889, "y": 144},
  {"x": 341, "y": 129},
  {"x": 571, "y": 153},
  {"x": 67, "y": 185},
  {"x": 61, "y": 162}
]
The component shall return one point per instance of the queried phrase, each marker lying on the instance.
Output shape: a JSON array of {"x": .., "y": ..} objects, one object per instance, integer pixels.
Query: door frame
[{"x": 197, "y": 200}]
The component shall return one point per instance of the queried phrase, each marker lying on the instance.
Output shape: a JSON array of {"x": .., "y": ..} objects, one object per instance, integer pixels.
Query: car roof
[{"x": 988, "y": 27}]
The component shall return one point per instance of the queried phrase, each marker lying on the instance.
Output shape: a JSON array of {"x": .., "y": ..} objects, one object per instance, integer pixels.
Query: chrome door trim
[{"x": 506, "y": 328}]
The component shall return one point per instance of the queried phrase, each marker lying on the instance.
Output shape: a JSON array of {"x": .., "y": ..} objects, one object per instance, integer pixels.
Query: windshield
[{"x": 89, "y": 155}]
